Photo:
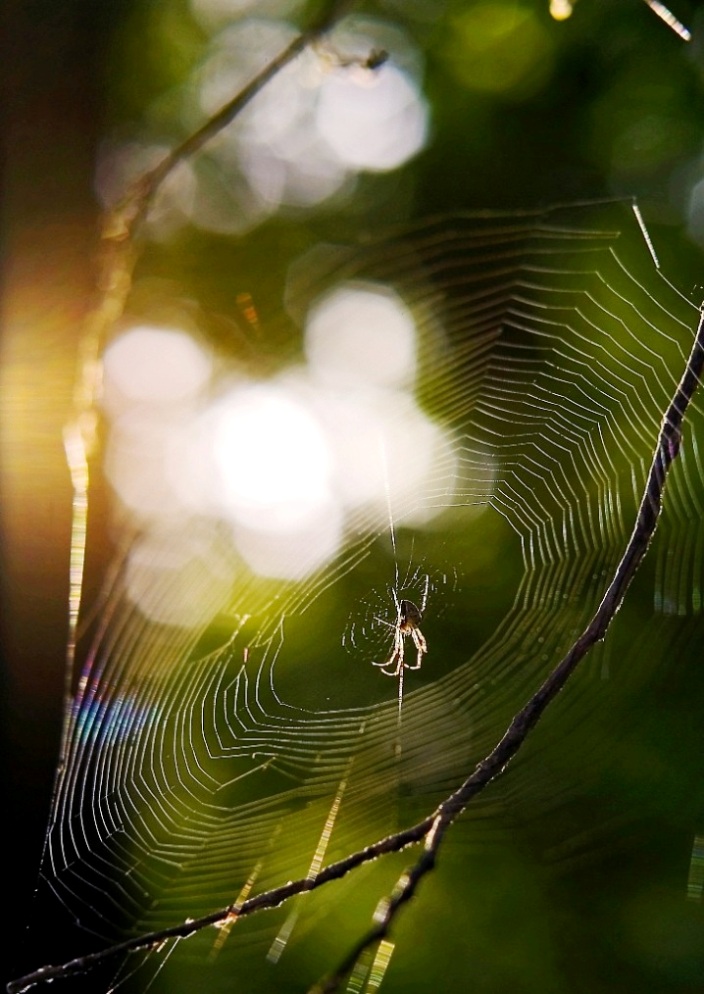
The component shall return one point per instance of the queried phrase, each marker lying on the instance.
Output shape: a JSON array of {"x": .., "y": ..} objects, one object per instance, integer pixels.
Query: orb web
[{"x": 261, "y": 742}]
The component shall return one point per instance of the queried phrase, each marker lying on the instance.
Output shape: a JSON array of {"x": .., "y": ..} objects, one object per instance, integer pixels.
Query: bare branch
[
  {"x": 261, "y": 902},
  {"x": 667, "y": 17},
  {"x": 526, "y": 719}
]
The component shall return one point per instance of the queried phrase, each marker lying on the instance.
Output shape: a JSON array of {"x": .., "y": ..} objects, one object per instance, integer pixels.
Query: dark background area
[{"x": 53, "y": 103}]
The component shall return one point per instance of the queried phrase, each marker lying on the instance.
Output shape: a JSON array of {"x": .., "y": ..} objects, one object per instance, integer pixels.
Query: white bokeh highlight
[
  {"x": 155, "y": 365},
  {"x": 361, "y": 335},
  {"x": 375, "y": 122},
  {"x": 318, "y": 124},
  {"x": 272, "y": 458},
  {"x": 287, "y": 464}
]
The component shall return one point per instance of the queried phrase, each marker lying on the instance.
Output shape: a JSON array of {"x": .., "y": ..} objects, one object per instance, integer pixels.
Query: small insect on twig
[
  {"x": 408, "y": 619},
  {"x": 374, "y": 60}
]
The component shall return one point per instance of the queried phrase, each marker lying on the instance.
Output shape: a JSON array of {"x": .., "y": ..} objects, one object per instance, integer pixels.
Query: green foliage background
[{"x": 526, "y": 111}]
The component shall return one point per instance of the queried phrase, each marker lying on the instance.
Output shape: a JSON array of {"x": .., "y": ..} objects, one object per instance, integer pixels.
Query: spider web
[{"x": 257, "y": 745}]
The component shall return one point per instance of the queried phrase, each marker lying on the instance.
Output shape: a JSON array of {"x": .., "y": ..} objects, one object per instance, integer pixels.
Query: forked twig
[
  {"x": 526, "y": 719},
  {"x": 119, "y": 234}
]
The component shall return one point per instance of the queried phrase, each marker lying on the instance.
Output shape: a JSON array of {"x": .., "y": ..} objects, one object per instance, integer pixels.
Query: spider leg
[
  {"x": 394, "y": 664},
  {"x": 408, "y": 616},
  {"x": 419, "y": 641},
  {"x": 392, "y": 661},
  {"x": 421, "y": 648},
  {"x": 391, "y": 673}
]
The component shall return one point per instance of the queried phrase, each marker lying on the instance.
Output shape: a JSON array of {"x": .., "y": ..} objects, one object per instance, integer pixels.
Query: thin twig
[
  {"x": 433, "y": 828},
  {"x": 386, "y": 910},
  {"x": 133, "y": 208},
  {"x": 261, "y": 902},
  {"x": 120, "y": 250}
]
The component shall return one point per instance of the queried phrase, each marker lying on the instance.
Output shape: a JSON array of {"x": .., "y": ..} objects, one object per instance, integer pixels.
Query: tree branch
[{"x": 526, "y": 719}]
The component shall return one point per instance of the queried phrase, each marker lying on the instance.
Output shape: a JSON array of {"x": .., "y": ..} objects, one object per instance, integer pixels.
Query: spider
[{"x": 408, "y": 618}]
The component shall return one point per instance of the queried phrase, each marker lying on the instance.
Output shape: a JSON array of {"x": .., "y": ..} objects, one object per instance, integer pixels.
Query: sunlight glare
[
  {"x": 154, "y": 365},
  {"x": 273, "y": 458},
  {"x": 281, "y": 463},
  {"x": 560, "y": 10},
  {"x": 294, "y": 553},
  {"x": 135, "y": 462},
  {"x": 375, "y": 121},
  {"x": 385, "y": 449},
  {"x": 179, "y": 576},
  {"x": 361, "y": 335}
]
